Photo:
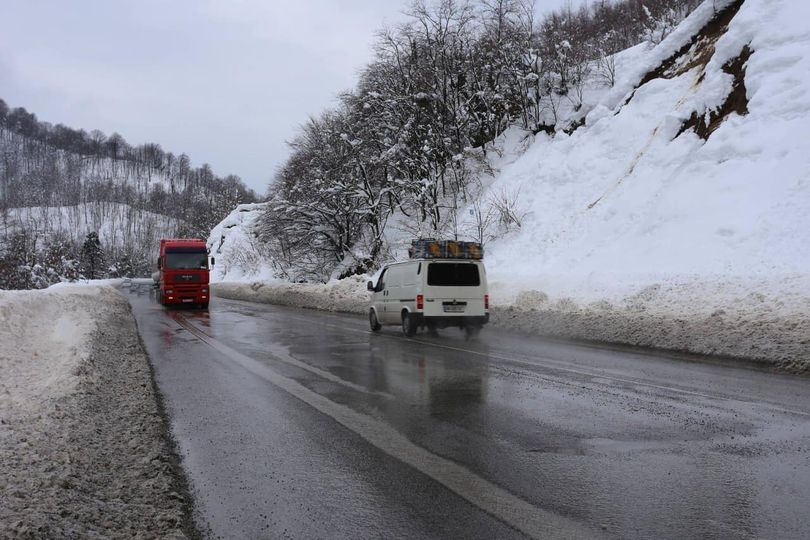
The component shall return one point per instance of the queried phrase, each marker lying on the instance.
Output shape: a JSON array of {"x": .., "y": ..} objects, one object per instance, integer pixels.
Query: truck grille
[{"x": 186, "y": 278}]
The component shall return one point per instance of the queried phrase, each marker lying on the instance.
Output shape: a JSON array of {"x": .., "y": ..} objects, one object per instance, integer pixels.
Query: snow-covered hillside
[
  {"x": 59, "y": 184},
  {"x": 233, "y": 245},
  {"x": 681, "y": 202},
  {"x": 40, "y": 246},
  {"x": 629, "y": 200},
  {"x": 117, "y": 225}
]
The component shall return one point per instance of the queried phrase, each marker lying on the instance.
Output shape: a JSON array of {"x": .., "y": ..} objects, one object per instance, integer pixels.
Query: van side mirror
[
  {"x": 158, "y": 263},
  {"x": 212, "y": 261},
  {"x": 370, "y": 285}
]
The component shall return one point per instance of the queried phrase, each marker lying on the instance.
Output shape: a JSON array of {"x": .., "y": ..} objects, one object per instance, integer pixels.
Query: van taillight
[
  {"x": 420, "y": 301},
  {"x": 486, "y": 301}
]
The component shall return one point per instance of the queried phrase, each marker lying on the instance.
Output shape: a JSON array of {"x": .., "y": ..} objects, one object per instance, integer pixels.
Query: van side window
[{"x": 381, "y": 282}]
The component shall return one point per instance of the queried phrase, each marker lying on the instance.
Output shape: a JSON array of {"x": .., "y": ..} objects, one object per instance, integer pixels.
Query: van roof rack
[{"x": 430, "y": 248}]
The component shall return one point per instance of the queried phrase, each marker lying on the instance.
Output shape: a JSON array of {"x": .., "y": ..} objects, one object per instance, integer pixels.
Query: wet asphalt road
[{"x": 301, "y": 424}]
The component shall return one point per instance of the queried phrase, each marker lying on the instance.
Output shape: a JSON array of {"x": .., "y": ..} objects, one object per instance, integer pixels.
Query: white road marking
[
  {"x": 491, "y": 498},
  {"x": 281, "y": 354}
]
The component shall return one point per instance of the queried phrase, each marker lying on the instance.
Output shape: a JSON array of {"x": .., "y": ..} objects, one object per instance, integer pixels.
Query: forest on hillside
[
  {"x": 411, "y": 139},
  {"x": 67, "y": 192}
]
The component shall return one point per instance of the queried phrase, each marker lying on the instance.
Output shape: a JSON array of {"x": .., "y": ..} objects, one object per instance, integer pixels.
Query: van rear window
[{"x": 453, "y": 275}]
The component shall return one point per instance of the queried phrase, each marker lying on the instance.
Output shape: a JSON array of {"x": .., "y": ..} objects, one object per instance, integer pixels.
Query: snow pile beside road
[
  {"x": 760, "y": 321},
  {"x": 764, "y": 320},
  {"x": 82, "y": 441},
  {"x": 346, "y": 295},
  {"x": 44, "y": 343}
]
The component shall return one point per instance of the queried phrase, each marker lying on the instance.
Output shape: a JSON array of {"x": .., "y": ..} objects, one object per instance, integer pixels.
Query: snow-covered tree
[
  {"x": 408, "y": 142},
  {"x": 93, "y": 257}
]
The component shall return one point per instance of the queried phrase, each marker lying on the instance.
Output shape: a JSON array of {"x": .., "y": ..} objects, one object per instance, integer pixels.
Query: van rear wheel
[
  {"x": 472, "y": 331},
  {"x": 408, "y": 326},
  {"x": 373, "y": 322}
]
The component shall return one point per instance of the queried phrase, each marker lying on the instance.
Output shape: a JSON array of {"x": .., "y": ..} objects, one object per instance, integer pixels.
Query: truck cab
[{"x": 182, "y": 276}]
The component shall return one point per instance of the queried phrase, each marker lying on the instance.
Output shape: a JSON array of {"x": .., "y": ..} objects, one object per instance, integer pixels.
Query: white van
[{"x": 432, "y": 294}]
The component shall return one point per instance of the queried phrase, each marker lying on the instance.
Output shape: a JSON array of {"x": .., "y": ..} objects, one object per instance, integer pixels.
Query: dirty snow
[
  {"x": 42, "y": 349},
  {"x": 347, "y": 295},
  {"x": 82, "y": 441}
]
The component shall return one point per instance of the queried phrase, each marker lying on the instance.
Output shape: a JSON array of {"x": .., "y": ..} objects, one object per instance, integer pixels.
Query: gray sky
[{"x": 226, "y": 82}]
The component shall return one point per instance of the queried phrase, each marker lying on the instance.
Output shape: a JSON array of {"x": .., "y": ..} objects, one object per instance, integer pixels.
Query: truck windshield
[
  {"x": 187, "y": 261},
  {"x": 453, "y": 275}
]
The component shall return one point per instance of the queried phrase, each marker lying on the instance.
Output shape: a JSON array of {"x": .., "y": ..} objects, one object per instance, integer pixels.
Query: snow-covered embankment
[{"x": 83, "y": 445}]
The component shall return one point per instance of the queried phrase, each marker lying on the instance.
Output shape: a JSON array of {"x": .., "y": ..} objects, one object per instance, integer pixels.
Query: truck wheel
[
  {"x": 373, "y": 322},
  {"x": 408, "y": 326},
  {"x": 204, "y": 305}
]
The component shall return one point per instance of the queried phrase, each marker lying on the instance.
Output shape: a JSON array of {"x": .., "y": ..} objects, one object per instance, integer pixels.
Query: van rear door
[{"x": 455, "y": 288}]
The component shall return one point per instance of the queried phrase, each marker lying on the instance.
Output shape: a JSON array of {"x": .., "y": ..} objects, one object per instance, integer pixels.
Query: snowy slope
[
  {"x": 116, "y": 224},
  {"x": 233, "y": 245},
  {"x": 625, "y": 201}
]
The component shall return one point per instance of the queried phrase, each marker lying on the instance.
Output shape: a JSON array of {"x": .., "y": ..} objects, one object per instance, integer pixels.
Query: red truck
[{"x": 182, "y": 276}]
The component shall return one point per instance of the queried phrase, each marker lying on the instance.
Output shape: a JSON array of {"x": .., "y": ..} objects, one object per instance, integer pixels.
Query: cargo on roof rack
[{"x": 445, "y": 249}]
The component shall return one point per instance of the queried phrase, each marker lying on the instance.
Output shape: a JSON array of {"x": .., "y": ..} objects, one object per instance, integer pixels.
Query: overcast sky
[{"x": 226, "y": 82}]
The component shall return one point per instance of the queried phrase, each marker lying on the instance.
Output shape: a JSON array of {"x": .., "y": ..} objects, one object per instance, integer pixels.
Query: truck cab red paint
[{"x": 183, "y": 272}]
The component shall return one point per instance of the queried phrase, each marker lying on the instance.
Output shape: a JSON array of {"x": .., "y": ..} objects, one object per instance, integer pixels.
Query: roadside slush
[{"x": 85, "y": 446}]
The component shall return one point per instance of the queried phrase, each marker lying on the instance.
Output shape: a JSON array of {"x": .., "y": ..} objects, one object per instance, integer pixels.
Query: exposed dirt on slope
[
  {"x": 699, "y": 50},
  {"x": 736, "y": 101},
  {"x": 696, "y": 53}
]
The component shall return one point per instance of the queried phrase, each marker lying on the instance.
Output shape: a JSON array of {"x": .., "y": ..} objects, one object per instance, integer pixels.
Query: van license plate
[
  {"x": 188, "y": 299},
  {"x": 454, "y": 309}
]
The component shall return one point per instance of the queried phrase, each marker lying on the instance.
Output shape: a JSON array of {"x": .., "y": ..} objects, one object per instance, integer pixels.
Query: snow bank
[
  {"x": 755, "y": 321},
  {"x": 764, "y": 321},
  {"x": 347, "y": 295},
  {"x": 631, "y": 203},
  {"x": 82, "y": 441},
  {"x": 46, "y": 336}
]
